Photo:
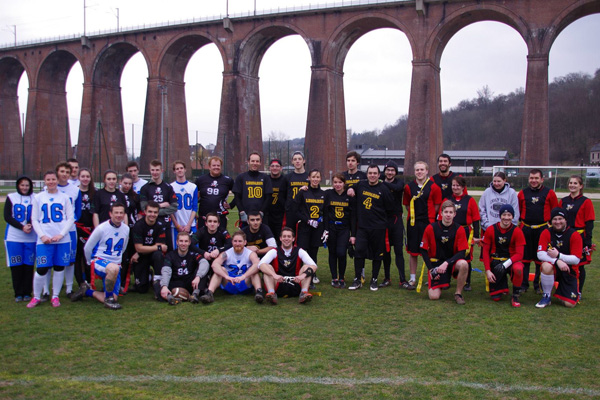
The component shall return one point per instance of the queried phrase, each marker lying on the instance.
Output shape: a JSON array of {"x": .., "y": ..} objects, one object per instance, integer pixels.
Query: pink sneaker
[
  {"x": 34, "y": 302},
  {"x": 55, "y": 302}
]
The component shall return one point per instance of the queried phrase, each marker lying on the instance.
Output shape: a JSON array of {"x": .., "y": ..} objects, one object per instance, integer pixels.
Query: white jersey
[
  {"x": 187, "y": 201},
  {"x": 74, "y": 181},
  {"x": 237, "y": 264},
  {"x": 21, "y": 212},
  {"x": 107, "y": 242},
  {"x": 51, "y": 215},
  {"x": 138, "y": 185},
  {"x": 74, "y": 194}
]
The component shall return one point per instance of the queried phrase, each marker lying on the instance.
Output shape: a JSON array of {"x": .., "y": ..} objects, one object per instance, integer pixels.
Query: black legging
[{"x": 337, "y": 244}]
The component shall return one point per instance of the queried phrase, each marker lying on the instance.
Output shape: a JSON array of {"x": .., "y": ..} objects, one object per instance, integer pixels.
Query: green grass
[{"x": 343, "y": 345}]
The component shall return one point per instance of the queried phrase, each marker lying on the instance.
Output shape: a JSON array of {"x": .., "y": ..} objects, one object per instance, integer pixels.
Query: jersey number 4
[{"x": 118, "y": 247}]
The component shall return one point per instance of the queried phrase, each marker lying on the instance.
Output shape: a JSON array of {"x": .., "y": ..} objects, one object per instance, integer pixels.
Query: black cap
[{"x": 558, "y": 211}]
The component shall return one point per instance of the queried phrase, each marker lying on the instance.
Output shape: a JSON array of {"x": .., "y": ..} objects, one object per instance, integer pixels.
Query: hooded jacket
[{"x": 491, "y": 201}]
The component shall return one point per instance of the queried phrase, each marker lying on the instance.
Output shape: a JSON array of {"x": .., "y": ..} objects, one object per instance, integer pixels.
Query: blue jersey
[
  {"x": 187, "y": 201},
  {"x": 107, "y": 242}
]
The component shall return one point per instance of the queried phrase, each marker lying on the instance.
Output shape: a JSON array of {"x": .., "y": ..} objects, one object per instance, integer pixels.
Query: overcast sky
[{"x": 377, "y": 71}]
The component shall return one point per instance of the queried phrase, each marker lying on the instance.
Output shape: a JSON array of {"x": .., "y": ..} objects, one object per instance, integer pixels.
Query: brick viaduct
[{"x": 329, "y": 34}]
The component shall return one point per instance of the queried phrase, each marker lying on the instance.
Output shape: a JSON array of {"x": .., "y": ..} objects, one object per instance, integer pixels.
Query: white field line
[{"x": 308, "y": 380}]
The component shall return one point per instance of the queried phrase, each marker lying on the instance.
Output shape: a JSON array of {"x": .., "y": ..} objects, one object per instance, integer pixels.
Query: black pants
[
  {"x": 396, "y": 240},
  {"x": 141, "y": 270},
  {"x": 22, "y": 279},
  {"x": 337, "y": 244}
]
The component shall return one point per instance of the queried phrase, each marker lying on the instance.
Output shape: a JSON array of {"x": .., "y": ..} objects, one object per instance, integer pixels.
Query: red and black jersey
[
  {"x": 287, "y": 265},
  {"x": 502, "y": 243},
  {"x": 445, "y": 184},
  {"x": 426, "y": 198},
  {"x": 467, "y": 211},
  {"x": 567, "y": 242},
  {"x": 442, "y": 242},
  {"x": 535, "y": 205},
  {"x": 579, "y": 211}
]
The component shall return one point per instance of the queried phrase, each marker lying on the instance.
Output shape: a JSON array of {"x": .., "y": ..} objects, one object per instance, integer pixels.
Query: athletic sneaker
[
  {"x": 207, "y": 297},
  {"x": 335, "y": 283},
  {"x": 356, "y": 284},
  {"x": 373, "y": 286},
  {"x": 514, "y": 301},
  {"x": 69, "y": 295},
  {"x": 272, "y": 298},
  {"x": 172, "y": 300},
  {"x": 459, "y": 299},
  {"x": 194, "y": 297},
  {"x": 467, "y": 288},
  {"x": 34, "y": 302},
  {"x": 544, "y": 302},
  {"x": 18, "y": 299},
  {"x": 80, "y": 293},
  {"x": 111, "y": 303},
  {"x": 45, "y": 297},
  {"x": 497, "y": 297},
  {"x": 342, "y": 284},
  {"x": 386, "y": 282},
  {"x": 55, "y": 302},
  {"x": 304, "y": 298},
  {"x": 413, "y": 283},
  {"x": 316, "y": 279},
  {"x": 407, "y": 286},
  {"x": 259, "y": 296},
  {"x": 27, "y": 298}
]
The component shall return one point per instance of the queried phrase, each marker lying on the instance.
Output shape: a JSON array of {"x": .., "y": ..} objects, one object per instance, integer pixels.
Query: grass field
[{"x": 344, "y": 345}]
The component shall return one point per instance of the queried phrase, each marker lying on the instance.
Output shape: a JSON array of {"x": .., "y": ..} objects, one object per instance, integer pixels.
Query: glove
[
  {"x": 434, "y": 273},
  {"x": 313, "y": 222},
  {"x": 499, "y": 270},
  {"x": 325, "y": 236},
  {"x": 243, "y": 216}
]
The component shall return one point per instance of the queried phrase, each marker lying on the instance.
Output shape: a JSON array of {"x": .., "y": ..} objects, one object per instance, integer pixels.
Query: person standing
[
  {"x": 580, "y": 216},
  {"x": 213, "y": 189},
  {"x": 184, "y": 219},
  {"x": 106, "y": 197},
  {"x": 295, "y": 181},
  {"x": 444, "y": 178},
  {"x": 133, "y": 168},
  {"x": 85, "y": 224},
  {"x": 276, "y": 209},
  {"x": 494, "y": 197},
  {"x": 52, "y": 218},
  {"x": 20, "y": 238},
  {"x": 535, "y": 205},
  {"x": 252, "y": 190},
  {"x": 74, "y": 178}
]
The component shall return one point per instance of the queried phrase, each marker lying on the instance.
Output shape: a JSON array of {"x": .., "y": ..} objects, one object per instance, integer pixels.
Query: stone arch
[
  {"x": 178, "y": 52},
  {"x": 252, "y": 49},
  {"x": 111, "y": 61},
  {"x": 11, "y": 71},
  {"x": 353, "y": 29},
  {"x": 454, "y": 22},
  {"x": 567, "y": 17}
]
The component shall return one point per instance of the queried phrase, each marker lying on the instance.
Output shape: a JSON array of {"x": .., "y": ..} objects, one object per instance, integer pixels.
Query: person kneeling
[
  {"x": 443, "y": 249},
  {"x": 105, "y": 248},
  {"x": 503, "y": 249},
  {"x": 235, "y": 271},
  {"x": 559, "y": 249},
  {"x": 287, "y": 270},
  {"x": 183, "y": 269}
]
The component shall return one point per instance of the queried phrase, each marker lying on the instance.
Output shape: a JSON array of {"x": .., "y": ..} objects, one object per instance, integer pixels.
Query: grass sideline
[{"x": 351, "y": 345}]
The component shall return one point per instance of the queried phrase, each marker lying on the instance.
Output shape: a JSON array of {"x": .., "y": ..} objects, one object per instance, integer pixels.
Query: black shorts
[
  {"x": 370, "y": 243},
  {"x": 568, "y": 288},
  {"x": 532, "y": 237},
  {"x": 288, "y": 289},
  {"x": 186, "y": 284},
  {"x": 442, "y": 280},
  {"x": 414, "y": 236},
  {"x": 501, "y": 285}
]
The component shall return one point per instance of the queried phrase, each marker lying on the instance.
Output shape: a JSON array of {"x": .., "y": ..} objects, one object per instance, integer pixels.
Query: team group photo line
[{"x": 173, "y": 238}]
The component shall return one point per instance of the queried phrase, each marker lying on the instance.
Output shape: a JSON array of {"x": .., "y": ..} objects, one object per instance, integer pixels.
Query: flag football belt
[
  {"x": 545, "y": 224},
  {"x": 470, "y": 241},
  {"x": 412, "y": 203},
  {"x": 500, "y": 258},
  {"x": 580, "y": 231},
  {"x": 422, "y": 273}
]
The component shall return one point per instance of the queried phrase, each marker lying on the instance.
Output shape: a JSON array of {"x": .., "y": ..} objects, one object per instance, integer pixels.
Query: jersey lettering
[{"x": 55, "y": 213}]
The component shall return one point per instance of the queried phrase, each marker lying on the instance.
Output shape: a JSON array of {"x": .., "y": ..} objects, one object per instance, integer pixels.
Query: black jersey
[
  {"x": 86, "y": 218},
  {"x": 353, "y": 179},
  {"x": 396, "y": 186},
  {"x": 103, "y": 200},
  {"x": 373, "y": 205},
  {"x": 445, "y": 184},
  {"x": 183, "y": 268},
  {"x": 311, "y": 204},
  {"x": 159, "y": 193},
  {"x": 149, "y": 235},
  {"x": 207, "y": 242},
  {"x": 338, "y": 210},
  {"x": 253, "y": 191},
  {"x": 287, "y": 265},
  {"x": 259, "y": 238},
  {"x": 294, "y": 181},
  {"x": 277, "y": 204},
  {"x": 212, "y": 193},
  {"x": 132, "y": 207}
]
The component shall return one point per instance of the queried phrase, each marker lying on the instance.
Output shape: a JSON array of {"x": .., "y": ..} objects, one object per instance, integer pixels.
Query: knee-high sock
[
  {"x": 547, "y": 282},
  {"x": 69, "y": 273},
  {"x": 38, "y": 285},
  {"x": 57, "y": 281},
  {"x": 47, "y": 279}
]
